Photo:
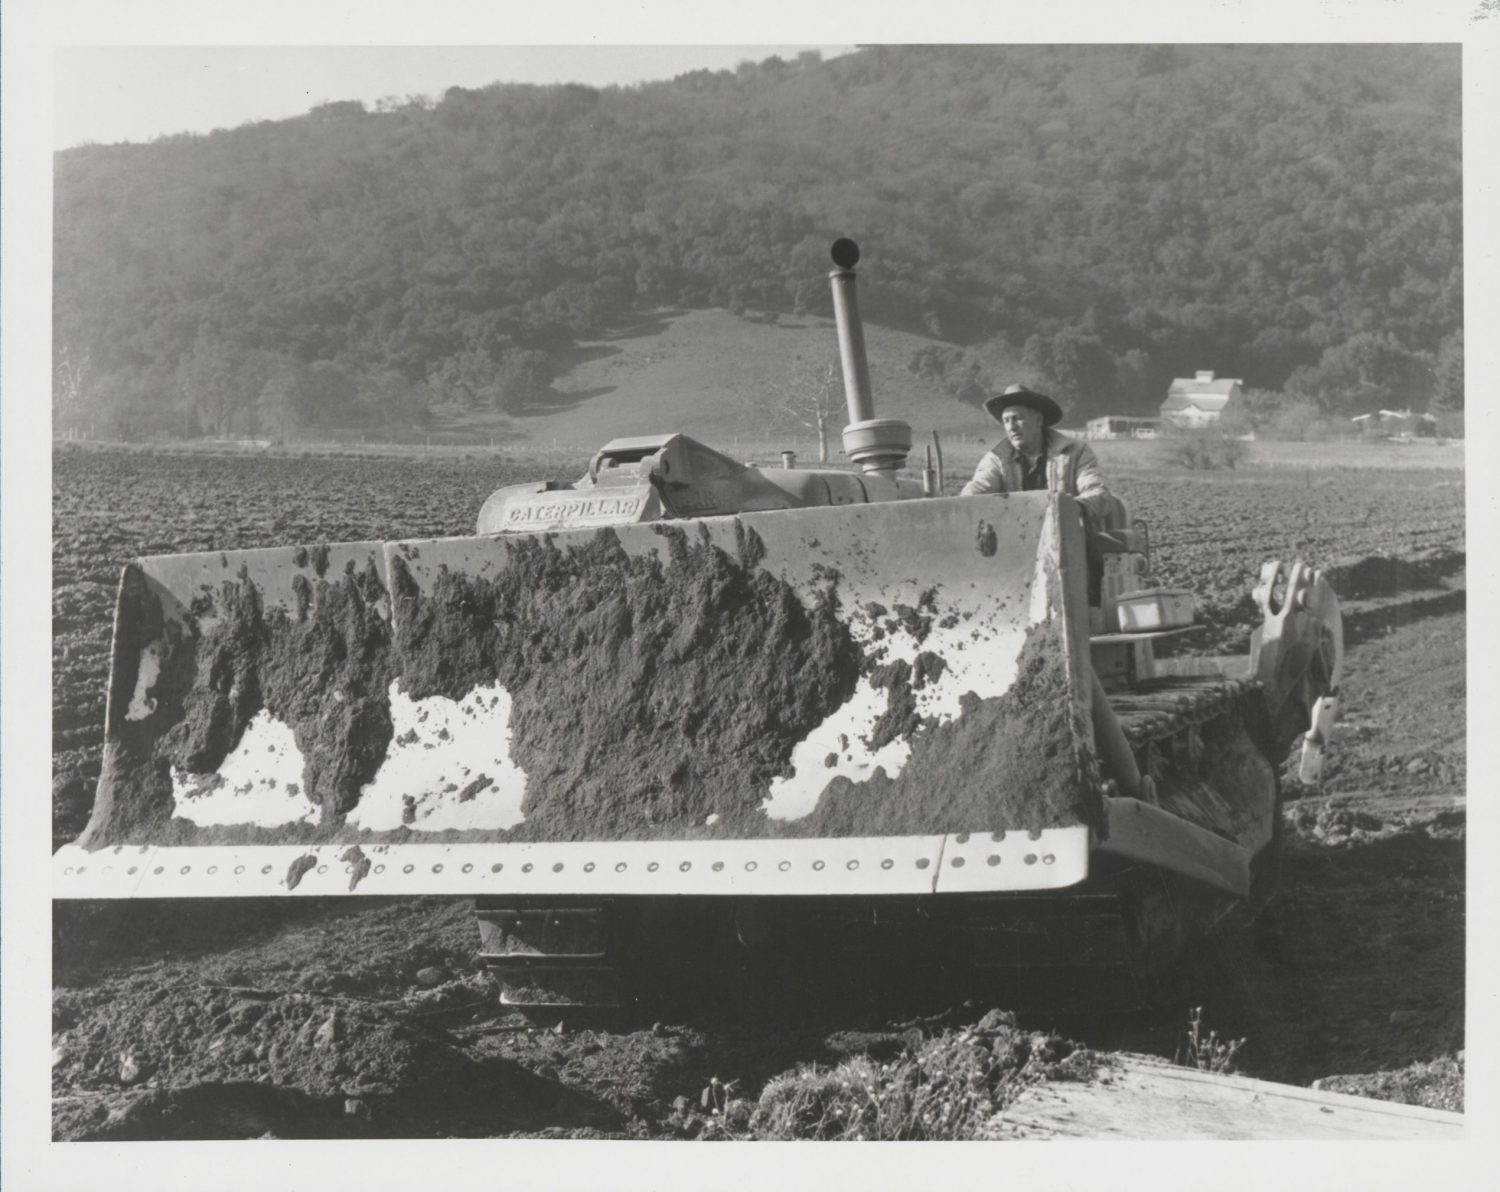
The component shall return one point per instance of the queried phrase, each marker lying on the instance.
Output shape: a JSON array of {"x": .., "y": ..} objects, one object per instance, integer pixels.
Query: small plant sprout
[
  {"x": 716, "y": 1095},
  {"x": 1207, "y": 1053}
]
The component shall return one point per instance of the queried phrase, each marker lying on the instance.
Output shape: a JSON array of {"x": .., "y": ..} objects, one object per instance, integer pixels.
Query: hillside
[
  {"x": 723, "y": 378},
  {"x": 1106, "y": 216}
]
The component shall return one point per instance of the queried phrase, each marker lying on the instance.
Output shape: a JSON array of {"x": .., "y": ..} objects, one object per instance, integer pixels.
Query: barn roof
[
  {"x": 1204, "y": 383},
  {"x": 1208, "y": 402}
]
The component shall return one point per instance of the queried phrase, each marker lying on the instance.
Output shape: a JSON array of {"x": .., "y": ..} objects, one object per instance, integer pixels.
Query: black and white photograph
[{"x": 605, "y": 582}]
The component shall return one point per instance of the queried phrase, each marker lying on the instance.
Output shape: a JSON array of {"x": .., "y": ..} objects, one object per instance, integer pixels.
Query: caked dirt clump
[
  {"x": 1011, "y": 761},
  {"x": 323, "y": 667},
  {"x": 654, "y": 694},
  {"x": 646, "y": 696},
  {"x": 195, "y": 1033}
]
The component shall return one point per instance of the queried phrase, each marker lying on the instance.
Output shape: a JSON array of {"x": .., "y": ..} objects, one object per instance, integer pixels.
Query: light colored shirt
[{"x": 1072, "y": 468}]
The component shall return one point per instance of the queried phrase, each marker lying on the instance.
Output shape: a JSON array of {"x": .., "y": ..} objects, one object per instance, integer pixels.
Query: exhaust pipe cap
[{"x": 845, "y": 253}]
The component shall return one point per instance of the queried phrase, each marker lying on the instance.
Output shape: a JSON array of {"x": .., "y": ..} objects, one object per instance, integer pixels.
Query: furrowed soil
[{"x": 372, "y": 1018}]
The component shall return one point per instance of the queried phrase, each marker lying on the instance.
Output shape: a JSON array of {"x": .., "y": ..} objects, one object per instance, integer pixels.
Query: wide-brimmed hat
[{"x": 1019, "y": 395}]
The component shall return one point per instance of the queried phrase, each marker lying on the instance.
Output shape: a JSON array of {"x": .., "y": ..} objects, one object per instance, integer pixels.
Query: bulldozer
[{"x": 688, "y": 703}]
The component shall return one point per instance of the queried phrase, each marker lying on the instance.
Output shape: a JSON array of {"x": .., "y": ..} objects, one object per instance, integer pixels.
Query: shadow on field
[
  {"x": 570, "y": 358},
  {"x": 90, "y": 937},
  {"x": 480, "y": 1100},
  {"x": 1357, "y": 965},
  {"x": 554, "y": 402},
  {"x": 652, "y": 324},
  {"x": 1361, "y": 625},
  {"x": 1379, "y": 575}
]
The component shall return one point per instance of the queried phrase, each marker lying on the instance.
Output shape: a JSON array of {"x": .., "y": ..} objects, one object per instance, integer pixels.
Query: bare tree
[
  {"x": 812, "y": 396},
  {"x": 72, "y": 379}
]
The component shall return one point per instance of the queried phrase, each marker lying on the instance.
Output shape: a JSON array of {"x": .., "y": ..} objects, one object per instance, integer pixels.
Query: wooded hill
[{"x": 1110, "y": 216}]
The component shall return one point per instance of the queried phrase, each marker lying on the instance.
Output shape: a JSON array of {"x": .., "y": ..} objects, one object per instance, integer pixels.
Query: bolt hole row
[{"x": 620, "y": 866}]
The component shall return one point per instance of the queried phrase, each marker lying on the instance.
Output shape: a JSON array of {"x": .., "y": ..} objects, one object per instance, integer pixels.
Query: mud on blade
[{"x": 692, "y": 705}]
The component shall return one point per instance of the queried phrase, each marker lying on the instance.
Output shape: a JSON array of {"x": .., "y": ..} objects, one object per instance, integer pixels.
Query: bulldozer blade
[{"x": 868, "y": 699}]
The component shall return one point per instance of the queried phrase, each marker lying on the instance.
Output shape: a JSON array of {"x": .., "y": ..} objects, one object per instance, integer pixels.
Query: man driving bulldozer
[{"x": 1033, "y": 456}]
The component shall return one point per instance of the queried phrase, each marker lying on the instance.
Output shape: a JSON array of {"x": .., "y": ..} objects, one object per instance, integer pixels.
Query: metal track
[
  {"x": 1063, "y": 952},
  {"x": 549, "y": 955},
  {"x": 1158, "y": 708},
  {"x": 1188, "y": 727}
]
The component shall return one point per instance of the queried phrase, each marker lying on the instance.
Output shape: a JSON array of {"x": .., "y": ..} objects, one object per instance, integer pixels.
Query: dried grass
[{"x": 952, "y": 1086}]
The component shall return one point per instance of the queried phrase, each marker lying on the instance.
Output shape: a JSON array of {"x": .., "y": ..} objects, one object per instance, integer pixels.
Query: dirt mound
[
  {"x": 205, "y": 1063},
  {"x": 1437, "y": 1084},
  {"x": 1341, "y": 822},
  {"x": 317, "y": 1018},
  {"x": 195, "y": 1033},
  {"x": 949, "y": 1086}
]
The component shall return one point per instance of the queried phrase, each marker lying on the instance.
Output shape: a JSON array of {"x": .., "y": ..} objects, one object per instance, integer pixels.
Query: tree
[
  {"x": 330, "y": 396},
  {"x": 72, "y": 383},
  {"x": 1135, "y": 383},
  {"x": 812, "y": 396},
  {"x": 279, "y": 407},
  {"x": 221, "y": 383},
  {"x": 960, "y": 375},
  {"x": 468, "y": 377},
  {"x": 388, "y": 398},
  {"x": 524, "y": 378},
  {"x": 1365, "y": 372},
  {"x": 1255, "y": 410},
  {"x": 1297, "y": 421},
  {"x": 1448, "y": 392},
  {"x": 1074, "y": 366}
]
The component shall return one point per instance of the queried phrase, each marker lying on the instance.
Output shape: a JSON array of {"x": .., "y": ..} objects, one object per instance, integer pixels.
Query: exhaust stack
[{"x": 876, "y": 444}]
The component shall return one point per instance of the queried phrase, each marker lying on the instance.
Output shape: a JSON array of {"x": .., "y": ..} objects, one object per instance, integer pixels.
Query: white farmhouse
[{"x": 1201, "y": 399}]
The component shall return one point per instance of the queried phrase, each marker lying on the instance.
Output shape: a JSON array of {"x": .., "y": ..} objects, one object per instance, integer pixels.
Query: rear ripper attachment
[{"x": 684, "y": 691}]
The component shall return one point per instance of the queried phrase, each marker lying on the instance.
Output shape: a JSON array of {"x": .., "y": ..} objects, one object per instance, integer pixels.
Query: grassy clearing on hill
[{"x": 720, "y": 378}]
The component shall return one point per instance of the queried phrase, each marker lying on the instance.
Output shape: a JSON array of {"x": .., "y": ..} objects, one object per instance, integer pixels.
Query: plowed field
[{"x": 363, "y": 1018}]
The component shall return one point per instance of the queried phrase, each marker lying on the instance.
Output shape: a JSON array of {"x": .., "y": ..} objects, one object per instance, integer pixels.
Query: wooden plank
[{"x": 1143, "y": 1097}]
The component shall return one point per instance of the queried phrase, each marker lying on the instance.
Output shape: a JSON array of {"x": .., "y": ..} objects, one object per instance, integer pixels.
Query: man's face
[{"x": 1023, "y": 427}]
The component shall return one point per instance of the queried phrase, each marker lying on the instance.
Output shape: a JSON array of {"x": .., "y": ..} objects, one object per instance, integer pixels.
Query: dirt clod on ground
[
  {"x": 197, "y": 1032},
  {"x": 1437, "y": 1084}
]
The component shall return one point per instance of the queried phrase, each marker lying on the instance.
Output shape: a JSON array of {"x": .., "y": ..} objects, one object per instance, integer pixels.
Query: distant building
[
  {"x": 1116, "y": 426},
  {"x": 1397, "y": 422},
  {"x": 1201, "y": 399}
]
